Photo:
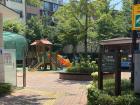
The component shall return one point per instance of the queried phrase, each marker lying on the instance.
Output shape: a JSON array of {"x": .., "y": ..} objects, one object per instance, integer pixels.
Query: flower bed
[{"x": 75, "y": 76}]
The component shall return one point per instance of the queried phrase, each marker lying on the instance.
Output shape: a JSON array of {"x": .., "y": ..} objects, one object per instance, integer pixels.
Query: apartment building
[
  {"x": 18, "y": 6},
  {"x": 48, "y": 7},
  {"x": 51, "y": 6}
]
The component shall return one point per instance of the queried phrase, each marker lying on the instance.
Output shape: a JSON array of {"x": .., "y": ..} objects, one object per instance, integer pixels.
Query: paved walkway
[{"x": 45, "y": 88}]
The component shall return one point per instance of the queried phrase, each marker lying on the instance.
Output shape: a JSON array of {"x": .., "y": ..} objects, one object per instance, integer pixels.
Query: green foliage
[
  {"x": 84, "y": 67},
  {"x": 126, "y": 100},
  {"x": 35, "y": 3},
  {"x": 35, "y": 29},
  {"x": 95, "y": 76},
  {"x": 97, "y": 97},
  {"x": 68, "y": 27},
  {"x": 126, "y": 12},
  {"x": 104, "y": 22},
  {"x": 14, "y": 26},
  {"x": 105, "y": 99},
  {"x": 5, "y": 88}
]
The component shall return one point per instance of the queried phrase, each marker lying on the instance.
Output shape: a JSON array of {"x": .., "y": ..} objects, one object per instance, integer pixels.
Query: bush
[
  {"x": 5, "y": 88},
  {"x": 95, "y": 76},
  {"x": 98, "y": 97},
  {"x": 83, "y": 67},
  {"x": 125, "y": 100},
  {"x": 105, "y": 99}
]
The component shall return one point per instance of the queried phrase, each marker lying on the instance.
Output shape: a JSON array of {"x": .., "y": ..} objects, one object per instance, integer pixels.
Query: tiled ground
[{"x": 45, "y": 88}]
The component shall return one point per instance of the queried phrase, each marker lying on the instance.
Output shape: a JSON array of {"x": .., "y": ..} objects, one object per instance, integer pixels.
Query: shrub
[
  {"x": 98, "y": 97},
  {"x": 5, "y": 88},
  {"x": 125, "y": 100},
  {"x": 105, "y": 99},
  {"x": 93, "y": 94},
  {"x": 95, "y": 76},
  {"x": 83, "y": 67}
]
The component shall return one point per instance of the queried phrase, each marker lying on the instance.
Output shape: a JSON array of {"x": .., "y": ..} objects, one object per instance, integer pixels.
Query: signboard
[
  {"x": 10, "y": 66},
  {"x": 136, "y": 17},
  {"x": 109, "y": 62}
]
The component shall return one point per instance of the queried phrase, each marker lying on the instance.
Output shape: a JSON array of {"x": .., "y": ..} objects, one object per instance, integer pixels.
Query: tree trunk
[
  {"x": 86, "y": 29},
  {"x": 74, "y": 53}
]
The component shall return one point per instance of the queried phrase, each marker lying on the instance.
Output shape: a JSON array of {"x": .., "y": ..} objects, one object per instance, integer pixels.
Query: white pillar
[{"x": 1, "y": 51}]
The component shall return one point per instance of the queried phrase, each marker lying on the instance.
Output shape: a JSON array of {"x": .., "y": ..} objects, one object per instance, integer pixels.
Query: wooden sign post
[
  {"x": 118, "y": 73},
  {"x": 110, "y": 62},
  {"x": 100, "y": 72}
]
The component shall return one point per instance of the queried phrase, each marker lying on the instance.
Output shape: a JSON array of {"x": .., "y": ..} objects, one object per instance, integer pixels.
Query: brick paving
[{"x": 45, "y": 88}]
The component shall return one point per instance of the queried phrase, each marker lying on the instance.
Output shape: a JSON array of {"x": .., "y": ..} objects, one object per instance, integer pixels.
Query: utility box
[
  {"x": 137, "y": 72},
  {"x": 10, "y": 74}
]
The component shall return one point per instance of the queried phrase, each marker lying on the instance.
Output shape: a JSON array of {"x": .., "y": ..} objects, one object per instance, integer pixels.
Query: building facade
[
  {"x": 18, "y": 6},
  {"x": 51, "y": 6},
  {"x": 48, "y": 7},
  {"x": 5, "y": 14}
]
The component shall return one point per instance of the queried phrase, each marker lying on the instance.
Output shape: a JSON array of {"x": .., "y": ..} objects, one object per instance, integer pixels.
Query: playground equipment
[
  {"x": 42, "y": 46},
  {"x": 59, "y": 61},
  {"x": 43, "y": 58}
]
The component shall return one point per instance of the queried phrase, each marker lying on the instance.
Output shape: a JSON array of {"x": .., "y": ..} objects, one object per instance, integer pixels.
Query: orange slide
[{"x": 62, "y": 61}]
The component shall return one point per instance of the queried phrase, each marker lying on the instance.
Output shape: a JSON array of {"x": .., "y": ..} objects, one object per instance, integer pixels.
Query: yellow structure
[{"x": 136, "y": 17}]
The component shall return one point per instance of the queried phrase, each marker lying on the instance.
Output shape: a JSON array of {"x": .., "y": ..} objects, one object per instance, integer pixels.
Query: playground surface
[{"x": 45, "y": 88}]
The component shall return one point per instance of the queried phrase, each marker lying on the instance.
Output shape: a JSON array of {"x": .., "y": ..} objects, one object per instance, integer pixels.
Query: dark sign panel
[{"x": 109, "y": 62}]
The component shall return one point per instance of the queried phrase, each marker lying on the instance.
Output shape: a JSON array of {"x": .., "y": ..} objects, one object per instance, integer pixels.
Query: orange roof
[{"x": 42, "y": 42}]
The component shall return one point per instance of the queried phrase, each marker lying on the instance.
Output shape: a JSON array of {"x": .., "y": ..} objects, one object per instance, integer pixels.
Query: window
[
  {"x": 19, "y": 1},
  {"x": 31, "y": 5},
  {"x": 60, "y": 2},
  {"x": 55, "y": 7},
  {"x": 46, "y": 5}
]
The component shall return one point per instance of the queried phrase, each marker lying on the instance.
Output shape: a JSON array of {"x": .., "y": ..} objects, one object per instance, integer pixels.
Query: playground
[
  {"x": 44, "y": 88},
  {"x": 44, "y": 56}
]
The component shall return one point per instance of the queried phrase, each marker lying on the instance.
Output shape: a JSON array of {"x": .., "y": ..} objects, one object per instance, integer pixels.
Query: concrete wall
[
  {"x": 80, "y": 48},
  {"x": 1, "y": 53},
  {"x": 33, "y": 10},
  {"x": 8, "y": 13},
  {"x": 17, "y": 6}
]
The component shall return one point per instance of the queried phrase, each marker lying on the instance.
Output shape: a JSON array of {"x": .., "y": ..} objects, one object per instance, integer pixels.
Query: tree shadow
[
  {"x": 70, "y": 82},
  {"x": 23, "y": 100}
]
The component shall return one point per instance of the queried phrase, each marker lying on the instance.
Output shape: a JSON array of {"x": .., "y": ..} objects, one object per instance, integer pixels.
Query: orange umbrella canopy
[{"x": 42, "y": 42}]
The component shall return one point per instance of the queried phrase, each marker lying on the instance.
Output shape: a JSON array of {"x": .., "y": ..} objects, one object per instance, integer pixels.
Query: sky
[{"x": 118, "y": 2}]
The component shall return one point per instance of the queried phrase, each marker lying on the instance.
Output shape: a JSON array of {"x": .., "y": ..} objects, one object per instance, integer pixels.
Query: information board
[
  {"x": 108, "y": 62},
  {"x": 10, "y": 66}
]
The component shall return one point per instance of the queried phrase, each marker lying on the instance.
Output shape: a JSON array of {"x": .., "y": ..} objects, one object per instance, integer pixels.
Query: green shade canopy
[{"x": 15, "y": 41}]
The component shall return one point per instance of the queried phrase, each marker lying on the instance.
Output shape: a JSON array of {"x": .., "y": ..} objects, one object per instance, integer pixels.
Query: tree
[
  {"x": 69, "y": 29},
  {"x": 76, "y": 16},
  {"x": 95, "y": 20},
  {"x": 14, "y": 26},
  {"x": 36, "y": 3},
  {"x": 35, "y": 29},
  {"x": 126, "y": 10}
]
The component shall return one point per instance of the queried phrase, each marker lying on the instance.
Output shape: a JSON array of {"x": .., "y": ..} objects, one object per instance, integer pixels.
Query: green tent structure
[{"x": 15, "y": 41}]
